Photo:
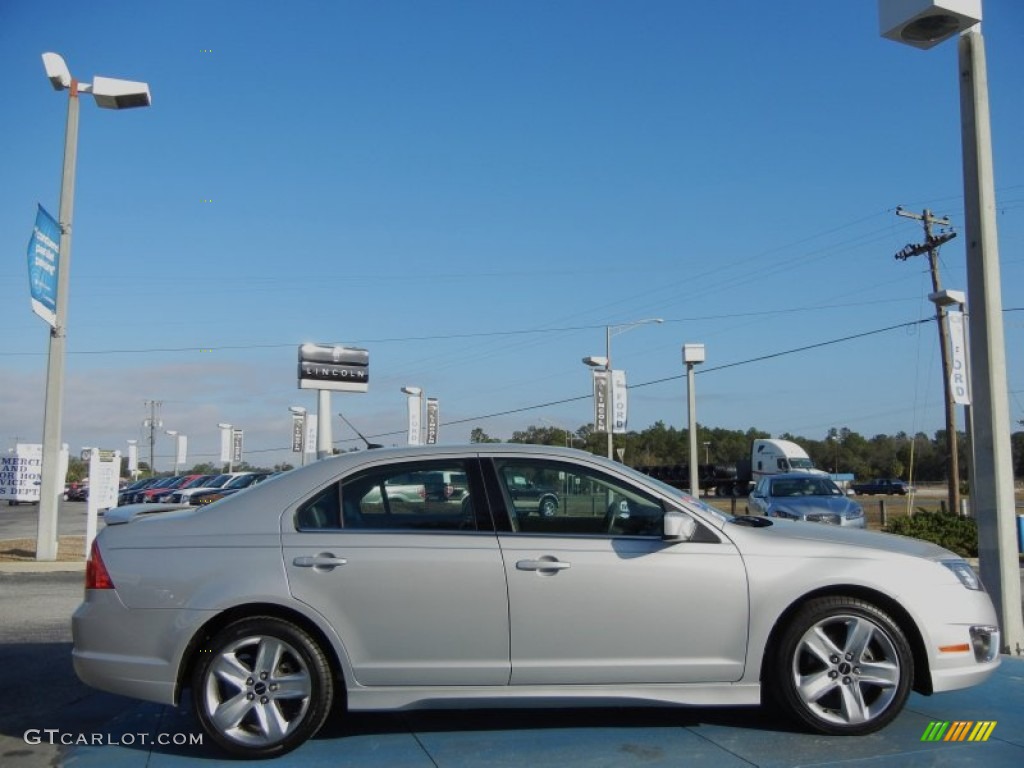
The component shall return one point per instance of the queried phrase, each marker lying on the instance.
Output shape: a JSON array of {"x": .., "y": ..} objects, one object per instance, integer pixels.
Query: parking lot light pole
[
  {"x": 992, "y": 494},
  {"x": 606, "y": 363},
  {"x": 693, "y": 355},
  {"x": 110, "y": 94}
]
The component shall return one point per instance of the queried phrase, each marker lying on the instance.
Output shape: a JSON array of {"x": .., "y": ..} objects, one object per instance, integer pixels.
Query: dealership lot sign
[
  {"x": 334, "y": 368},
  {"x": 21, "y": 473}
]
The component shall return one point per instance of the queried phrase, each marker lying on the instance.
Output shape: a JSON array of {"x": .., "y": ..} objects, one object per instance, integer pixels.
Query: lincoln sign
[{"x": 335, "y": 368}]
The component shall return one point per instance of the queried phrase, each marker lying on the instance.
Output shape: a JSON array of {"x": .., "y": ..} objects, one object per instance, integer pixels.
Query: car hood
[
  {"x": 838, "y": 505},
  {"x": 801, "y": 532}
]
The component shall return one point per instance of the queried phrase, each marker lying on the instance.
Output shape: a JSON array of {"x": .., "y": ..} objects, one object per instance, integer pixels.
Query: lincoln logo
[{"x": 309, "y": 369}]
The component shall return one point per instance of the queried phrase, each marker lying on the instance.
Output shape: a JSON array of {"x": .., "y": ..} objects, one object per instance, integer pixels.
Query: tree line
[
  {"x": 909, "y": 457},
  {"x": 918, "y": 458}
]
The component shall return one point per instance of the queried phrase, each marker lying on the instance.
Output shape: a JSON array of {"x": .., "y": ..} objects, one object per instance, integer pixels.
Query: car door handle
[
  {"x": 542, "y": 565},
  {"x": 324, "y": 560}
]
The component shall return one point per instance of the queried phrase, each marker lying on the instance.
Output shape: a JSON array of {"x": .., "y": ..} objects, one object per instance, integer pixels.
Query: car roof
[{"x": 288, "y": 486}]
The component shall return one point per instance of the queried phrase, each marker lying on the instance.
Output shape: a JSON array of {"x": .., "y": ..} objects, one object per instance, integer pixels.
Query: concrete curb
[{"x": 41, "y": 566}]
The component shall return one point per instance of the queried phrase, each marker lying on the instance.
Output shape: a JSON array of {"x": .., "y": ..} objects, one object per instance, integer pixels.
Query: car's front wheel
[
  {"x": 548, "y": 506},
  {"x": 262, "y": 687},
  {"x": 843, "y": 667}
]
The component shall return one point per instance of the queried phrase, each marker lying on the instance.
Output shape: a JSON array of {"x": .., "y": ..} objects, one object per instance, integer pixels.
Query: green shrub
[{"x": 955, "y": 533}]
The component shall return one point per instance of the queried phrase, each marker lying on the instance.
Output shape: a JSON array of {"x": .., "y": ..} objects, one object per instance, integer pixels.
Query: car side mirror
[{"x": 678, "y": 526}]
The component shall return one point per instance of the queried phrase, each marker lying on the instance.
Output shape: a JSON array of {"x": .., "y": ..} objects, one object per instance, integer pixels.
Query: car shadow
[{"x": 476, "y": 720}]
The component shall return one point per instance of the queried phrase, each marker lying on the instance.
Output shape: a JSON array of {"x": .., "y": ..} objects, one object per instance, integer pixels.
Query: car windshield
[
  {"x": 801, "y": 464},
  {"x": 804, "y": 486},
  {"x": 243, "y": 481}
]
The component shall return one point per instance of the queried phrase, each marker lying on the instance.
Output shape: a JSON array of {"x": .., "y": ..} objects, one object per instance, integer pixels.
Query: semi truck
[{"x": 768, "y": 456}]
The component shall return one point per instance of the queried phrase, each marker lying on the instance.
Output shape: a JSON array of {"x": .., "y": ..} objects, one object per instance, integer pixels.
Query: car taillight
[{"x": 96, "y": 575}]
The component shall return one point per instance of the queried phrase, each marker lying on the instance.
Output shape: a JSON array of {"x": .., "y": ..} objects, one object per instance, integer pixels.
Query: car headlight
[
  {"x": 855, "y": 512},
  {"x": 963, "y": 571}
]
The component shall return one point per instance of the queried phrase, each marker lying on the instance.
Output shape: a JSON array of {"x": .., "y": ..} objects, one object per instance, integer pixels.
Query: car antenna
[{"x": 369, "y": 445}]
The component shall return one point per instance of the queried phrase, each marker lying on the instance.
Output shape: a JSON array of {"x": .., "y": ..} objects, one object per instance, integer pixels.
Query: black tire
[
  {"x": 237, "y": 693},
  {"x": 842, "y": 667},
  {"x": 548, "y": 506}
]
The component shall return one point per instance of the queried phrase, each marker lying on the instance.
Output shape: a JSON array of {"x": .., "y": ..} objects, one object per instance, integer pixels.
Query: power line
[
  {"x": 724, "y": 366},
  {"x": 457, "y": 336}
]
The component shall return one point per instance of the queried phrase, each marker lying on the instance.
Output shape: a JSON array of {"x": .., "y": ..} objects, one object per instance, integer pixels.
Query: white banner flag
[
  {"x": 620, "y": 404},
  {"x": 414, "y": 420},
  {"x": 225, "y": 445},
  {"x": 958, "y": 379},
  {"x": 311, "y": 435}
]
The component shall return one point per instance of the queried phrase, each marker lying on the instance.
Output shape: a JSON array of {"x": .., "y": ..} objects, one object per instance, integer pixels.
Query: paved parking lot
[
  {"x": 112, "y": 732},
  {"x": 722, "y": 738}
]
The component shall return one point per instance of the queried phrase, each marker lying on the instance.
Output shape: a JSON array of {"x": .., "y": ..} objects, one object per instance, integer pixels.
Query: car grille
[{"x": 825, "y": 517}]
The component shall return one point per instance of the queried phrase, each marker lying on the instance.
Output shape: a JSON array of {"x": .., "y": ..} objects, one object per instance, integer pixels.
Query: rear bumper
[{"x": 141, "y": 658}]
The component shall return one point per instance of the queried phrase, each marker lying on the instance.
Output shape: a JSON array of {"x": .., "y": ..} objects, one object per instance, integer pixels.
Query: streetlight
[
  {"x": 174, "y": 434},
  {"x": 605, "y": 364},
  {"x": 109, "y": 93},
  {"x": 300, "y": 412},
  {"x": 707, "y": 452},
  {"x": 415, "y": 405},
  {"x": 693, "y": 355},
  {"x": 923, "y": 24}
]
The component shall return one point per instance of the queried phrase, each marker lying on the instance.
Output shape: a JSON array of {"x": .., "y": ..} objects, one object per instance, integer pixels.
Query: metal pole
[
  {"x": 324, "y": 439},
  {"x": 952, "y": 453},
  {"x": 992, "y": 496},
  {"x": 51, "y": 481},
  {"x": 691, "y": 396}
]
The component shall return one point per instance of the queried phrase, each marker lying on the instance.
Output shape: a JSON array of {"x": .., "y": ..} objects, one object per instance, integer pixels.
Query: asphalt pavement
[{"x": 49, "y": 718}]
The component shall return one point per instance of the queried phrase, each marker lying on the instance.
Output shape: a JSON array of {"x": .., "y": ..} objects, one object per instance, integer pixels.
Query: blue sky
[{"x": 473, "y": 191}]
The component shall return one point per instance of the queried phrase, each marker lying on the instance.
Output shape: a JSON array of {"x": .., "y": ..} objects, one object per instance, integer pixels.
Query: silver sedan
[
  {"x": 315, "y": 587},
  {"x": 803, "y": 496}
]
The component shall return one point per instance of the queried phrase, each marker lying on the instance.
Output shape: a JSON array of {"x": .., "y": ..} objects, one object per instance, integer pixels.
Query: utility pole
[
  {"x": 153, "y": 423},
  {"x": 931, "y": 247}
]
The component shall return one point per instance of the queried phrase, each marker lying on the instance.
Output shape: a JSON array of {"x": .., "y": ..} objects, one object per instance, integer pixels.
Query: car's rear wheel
[
  {"x": 262, "y": 687},
  {"x": 843, "y": 667}
]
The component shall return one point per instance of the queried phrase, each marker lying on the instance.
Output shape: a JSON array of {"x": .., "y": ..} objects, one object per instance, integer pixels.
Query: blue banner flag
[{"x": 44, "y": 265}]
